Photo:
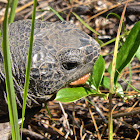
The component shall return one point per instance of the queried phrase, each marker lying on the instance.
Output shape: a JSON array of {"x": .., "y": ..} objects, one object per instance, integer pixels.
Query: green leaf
[
  {"x": 128, "y": 50},
  {"x": 138, "y": 53},
  {"x": 73, "y": 94},
  {"x": 117, "y": 88},
  {"x": 85, "y": 24},
  {"x": 98, "y": 71}
]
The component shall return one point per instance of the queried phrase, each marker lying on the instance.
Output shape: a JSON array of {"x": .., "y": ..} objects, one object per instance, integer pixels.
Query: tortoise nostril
[{"x": 70, "y": 65}]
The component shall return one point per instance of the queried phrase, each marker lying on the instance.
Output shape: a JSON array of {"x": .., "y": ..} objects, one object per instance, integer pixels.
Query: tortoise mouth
[{"x": 80, "y": 81}]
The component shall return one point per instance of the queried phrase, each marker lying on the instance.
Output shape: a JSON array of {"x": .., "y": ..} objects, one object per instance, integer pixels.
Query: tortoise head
[
  {"x": 61, "y": 54},
  {"x": 66, "y": 55}
]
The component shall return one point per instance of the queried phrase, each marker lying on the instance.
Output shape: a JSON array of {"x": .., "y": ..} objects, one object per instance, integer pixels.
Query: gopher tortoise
[{"x": 61, "y": 54}]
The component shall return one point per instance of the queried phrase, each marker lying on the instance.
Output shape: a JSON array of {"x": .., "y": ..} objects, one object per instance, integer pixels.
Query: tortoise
[{"x": 61, "y": 54}]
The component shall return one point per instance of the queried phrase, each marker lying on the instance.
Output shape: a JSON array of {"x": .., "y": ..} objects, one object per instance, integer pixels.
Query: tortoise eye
[{"x": 70, "y": 65}]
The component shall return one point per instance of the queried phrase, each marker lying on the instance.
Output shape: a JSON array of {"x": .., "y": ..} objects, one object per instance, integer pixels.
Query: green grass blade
[
  {"x": 13, "y": 10},
  {"x": 117, "y": 16},
  {"x": 9, "y": 81},
  {"x": 129, "y": 84},
  {"x": 56, "y": 13},
  {"x": 85, "y": 24},
  {"x": 29, "y": 61},
  {"x": 114, "y": 39},
  {"x": 110, "y": 119},
  {"x": 1, "y": 39},
  {"x": 116, "y": 88}
]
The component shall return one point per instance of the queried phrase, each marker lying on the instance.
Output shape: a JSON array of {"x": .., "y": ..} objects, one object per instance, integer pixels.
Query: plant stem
[{"x": 110, "y": 125}]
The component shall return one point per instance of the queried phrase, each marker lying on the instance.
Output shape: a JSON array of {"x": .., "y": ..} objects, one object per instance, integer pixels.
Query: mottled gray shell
[{"x": 61, "y": 54}]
